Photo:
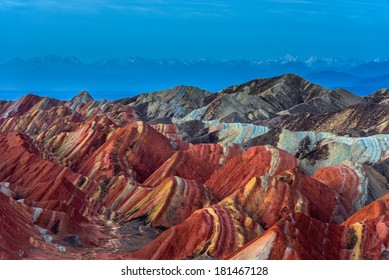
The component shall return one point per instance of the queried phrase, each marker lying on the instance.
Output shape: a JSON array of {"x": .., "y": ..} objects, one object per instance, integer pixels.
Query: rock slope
[{"x": 274, "y": 168}]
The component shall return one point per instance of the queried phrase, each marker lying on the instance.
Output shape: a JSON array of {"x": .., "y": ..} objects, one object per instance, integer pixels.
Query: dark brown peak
[
  {"x": 31, "y": 95},
  {"x": 348, "y": 121},
  {"x": 378, "y": 96},
  {"x": 27, "y": 102},
  {"x": 324, "y": 101},
  {"x": 175, "y": 102},
  {"x": 296, "y": 82},
  {"x": 179, "y": 88},
  {"x": 30, "y": 98},
  {"x": 186, "y": 87},
  {"x": 290, "y": 76},
  {"x": 291, "y": 82},
  {"x": 345, "y": 94},
  {"x": 274, "y": 80},
  {"x": 280, "y": 93},
  {"x": 192, "y": 90},
  {"x": 82, "y": 97},
  {"x": 252, "y": 84}
]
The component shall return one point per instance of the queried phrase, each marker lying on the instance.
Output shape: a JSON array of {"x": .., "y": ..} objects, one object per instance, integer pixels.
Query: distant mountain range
[{"x": 135, "y": 75}]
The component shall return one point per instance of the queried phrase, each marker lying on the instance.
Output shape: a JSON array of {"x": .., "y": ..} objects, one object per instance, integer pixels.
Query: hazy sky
[{"x": 232, "y": 29}]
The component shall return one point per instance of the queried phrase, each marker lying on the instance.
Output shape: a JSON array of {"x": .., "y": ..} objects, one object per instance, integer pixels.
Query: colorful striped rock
[
  {"x": 183, "y": 165},
  {"x": 215, "y": 154},
  {"x": 375, "y": 210},
  {"x": 215, "y": 231},
  {"x": 269, "y": 199},
  {"x": 172, "y": 202},
  {"x": 255, "y": 162},
  {"x": 351, "y": 182},
  {"x": 136, "y": 151},
  {"x": 299, "y": 236}
]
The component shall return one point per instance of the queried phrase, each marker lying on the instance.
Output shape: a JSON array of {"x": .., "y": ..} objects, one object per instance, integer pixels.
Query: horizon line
[{"x": 288, "y": 58}]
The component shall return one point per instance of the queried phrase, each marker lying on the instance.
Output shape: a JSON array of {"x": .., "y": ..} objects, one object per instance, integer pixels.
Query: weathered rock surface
[
  {"x": 269, "y": 199},
  {"x": 172, "y": 202},
  {"x": 255, "y": 162},
  {"x": 183, "y": 165},
  {"x": 349, "y": 181},
  {"x": 274, "y": 168},
  {"x": 381, "y": 96},
  {"x": 300, "y": 237},
  {"x": 215, "y": 231},
  {"x": 128, "y": 151},
  {"x": 176, "y": 102},
  {"x": 361, "y": 119}
]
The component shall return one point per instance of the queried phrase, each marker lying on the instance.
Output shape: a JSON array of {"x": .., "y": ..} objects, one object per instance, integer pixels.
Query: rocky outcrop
[
  {"x": 183, "y": 165},
  {"x": 269, "y": 199},
  {"x": 255, "y": 162},
  {"x": 23, "y": 167},
  {"x": 176, "y": 102},
  {"x": 297, "y": 236},
  {"x": 264, "y": 99},
  {"x": 217, "y": 155},
  {"x": 281, "y": 93},
  {"x": 72, "y": 148},
  {"x": 214, "y": 231},
  {"x": 383, "y": 168},
  {"x": 300, "y": 237},
  {"x": 24, "y": 104},
  {"x": 349, "y": 181},
  {"x": 357, "y": 120},
  {"x": 128, "y": 151},
  {"x": 377, "y": 209},
  {"x": 172, "y": 202},
  {"x": 381, "y": 97},
  {"x": 274, "y": 168},
  {"x": 332, "y": 101},
  {"x": 334, "y": 150}
]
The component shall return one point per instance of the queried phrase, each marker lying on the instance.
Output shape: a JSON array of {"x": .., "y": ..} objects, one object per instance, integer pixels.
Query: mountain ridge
[
  {"x": 185, "y": 173},
  {"x": 134, "y": 74}
]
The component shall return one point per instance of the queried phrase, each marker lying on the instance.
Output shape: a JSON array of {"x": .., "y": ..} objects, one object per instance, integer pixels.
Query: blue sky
[{"x": 95, "y": 29}]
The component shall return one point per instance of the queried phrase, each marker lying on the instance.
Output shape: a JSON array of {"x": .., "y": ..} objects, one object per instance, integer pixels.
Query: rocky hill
[{"x": 275, "y": 168}]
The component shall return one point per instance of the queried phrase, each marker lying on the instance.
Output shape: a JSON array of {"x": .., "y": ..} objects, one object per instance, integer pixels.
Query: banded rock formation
[{"x": 274, "y": 168}]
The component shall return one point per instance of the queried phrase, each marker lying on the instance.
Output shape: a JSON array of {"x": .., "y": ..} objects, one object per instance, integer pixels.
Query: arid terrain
[{"x": 275, "y": 168}]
